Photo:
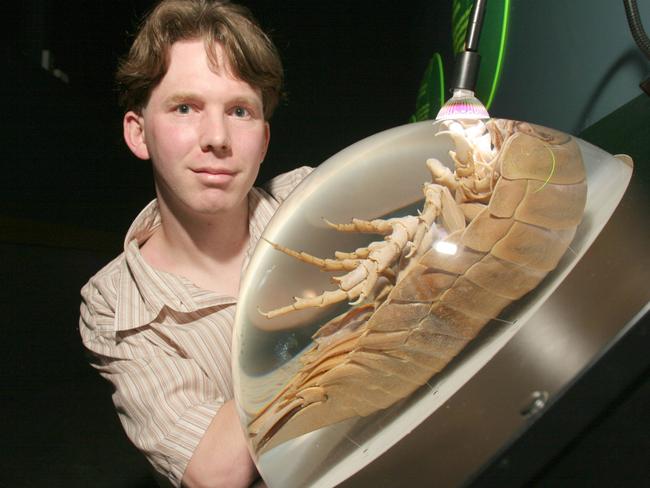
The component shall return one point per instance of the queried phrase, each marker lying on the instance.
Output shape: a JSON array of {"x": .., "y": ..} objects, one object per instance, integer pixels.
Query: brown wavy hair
[{"x": 252, "y": 56}]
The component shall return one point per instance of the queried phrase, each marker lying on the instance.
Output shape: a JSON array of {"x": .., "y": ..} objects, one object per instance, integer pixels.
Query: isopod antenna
[{"x": 463, "y": 104}]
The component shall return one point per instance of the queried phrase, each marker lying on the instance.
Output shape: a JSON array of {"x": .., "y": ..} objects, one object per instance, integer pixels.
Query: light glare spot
[{"x": 445, "y": 247}]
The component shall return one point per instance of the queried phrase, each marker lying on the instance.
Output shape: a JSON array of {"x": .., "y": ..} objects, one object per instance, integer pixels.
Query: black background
[
  {"x": 352, "y": 69},
  {"x": 69, "y": 190}
]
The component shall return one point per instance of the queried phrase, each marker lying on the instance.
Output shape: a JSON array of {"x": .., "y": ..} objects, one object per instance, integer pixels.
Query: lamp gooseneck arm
[
  {"x": 636, "y": 27},
  {"x": 468, "y": 61}
]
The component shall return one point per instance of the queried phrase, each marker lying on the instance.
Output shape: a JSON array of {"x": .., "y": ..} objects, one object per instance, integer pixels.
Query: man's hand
[{"x": 221, "y": 459}]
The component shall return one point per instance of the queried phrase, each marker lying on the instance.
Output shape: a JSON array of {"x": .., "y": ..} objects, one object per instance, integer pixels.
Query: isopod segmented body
[{"x": 488, "y": 233}]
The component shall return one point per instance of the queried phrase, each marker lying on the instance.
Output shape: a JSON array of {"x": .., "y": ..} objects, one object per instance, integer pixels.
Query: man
[{"x": 199, "y": 85}]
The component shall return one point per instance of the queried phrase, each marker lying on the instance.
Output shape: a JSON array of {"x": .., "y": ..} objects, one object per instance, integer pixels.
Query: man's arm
[
  {"x": 221, "y": 459},
  {"x": 166, "y": 404}
]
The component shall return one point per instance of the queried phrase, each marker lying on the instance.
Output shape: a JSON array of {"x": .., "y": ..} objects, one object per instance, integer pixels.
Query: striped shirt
[{"x": 164, "y": 343}]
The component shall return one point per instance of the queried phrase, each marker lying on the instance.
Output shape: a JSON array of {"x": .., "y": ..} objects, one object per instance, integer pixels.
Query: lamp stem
[{"x": 468, "y": 61}]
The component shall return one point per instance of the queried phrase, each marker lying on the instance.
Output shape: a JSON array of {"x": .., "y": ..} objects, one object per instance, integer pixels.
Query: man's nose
[{"x": 215, "y": 135}]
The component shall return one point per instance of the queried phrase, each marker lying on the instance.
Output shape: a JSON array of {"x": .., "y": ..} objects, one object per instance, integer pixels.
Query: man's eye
[
  {"x": 240, "y": 112},
  {"x": 183, "y": 108}
]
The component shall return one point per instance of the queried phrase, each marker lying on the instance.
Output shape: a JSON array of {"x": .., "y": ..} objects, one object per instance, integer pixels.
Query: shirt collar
[{"x": 144, "y": 290}]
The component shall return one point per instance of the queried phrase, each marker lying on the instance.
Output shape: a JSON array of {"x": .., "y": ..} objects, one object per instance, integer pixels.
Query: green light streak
[
  {"x": 441, "y": 74},
  {"x": 502, "y": 48},
  {"x": 461, "y": 31},
  {"x": 552, "y": 170}
]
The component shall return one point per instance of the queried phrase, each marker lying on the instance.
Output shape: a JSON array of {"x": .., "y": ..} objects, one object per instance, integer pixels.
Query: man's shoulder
[
  {"x": 282, "y": 185},
  {"x": 103, "y": 286},
  {"x": 105, "y": 283}
]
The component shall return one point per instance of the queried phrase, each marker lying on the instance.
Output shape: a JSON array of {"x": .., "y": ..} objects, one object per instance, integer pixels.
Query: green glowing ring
[
  {"x": 441, "y": 74},
  {"x": 501, "y": 55},
  {"x": 550, "y": 175}
]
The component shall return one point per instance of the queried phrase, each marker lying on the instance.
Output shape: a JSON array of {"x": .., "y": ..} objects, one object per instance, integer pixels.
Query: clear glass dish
[{"x": 379, "y": 177}]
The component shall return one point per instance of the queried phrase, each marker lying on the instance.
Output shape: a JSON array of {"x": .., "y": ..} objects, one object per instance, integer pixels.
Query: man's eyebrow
[
  {"x": 235, "y": 98},
  {"x": 181, "y": 97},
  {"x": 246, "y": 99}
]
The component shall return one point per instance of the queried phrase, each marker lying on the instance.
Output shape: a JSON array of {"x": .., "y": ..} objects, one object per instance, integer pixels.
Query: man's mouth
[
  {"x": 213, "y": 171},
  {"x": 210, "y": 175}
]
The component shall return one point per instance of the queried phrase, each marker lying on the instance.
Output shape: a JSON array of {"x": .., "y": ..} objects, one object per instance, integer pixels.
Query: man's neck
[{"x": 208, "y": 250}]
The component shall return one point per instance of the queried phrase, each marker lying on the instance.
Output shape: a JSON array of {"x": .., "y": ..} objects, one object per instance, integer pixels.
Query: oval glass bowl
[{"x": 377, "y": 177}]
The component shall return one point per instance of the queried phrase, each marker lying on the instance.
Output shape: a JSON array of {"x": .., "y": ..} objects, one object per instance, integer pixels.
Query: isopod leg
[
  {"x": 376, "y": 226},
  {"x": 345, "y": 264},
  {"x": 325, "y": 299}
]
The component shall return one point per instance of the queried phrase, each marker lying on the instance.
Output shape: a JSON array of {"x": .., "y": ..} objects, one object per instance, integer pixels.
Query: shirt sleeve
[{"x": 164, "y": 401}]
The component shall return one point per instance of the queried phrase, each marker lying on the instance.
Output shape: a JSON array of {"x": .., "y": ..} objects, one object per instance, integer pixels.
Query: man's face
[{"x": 204, "y": 132}]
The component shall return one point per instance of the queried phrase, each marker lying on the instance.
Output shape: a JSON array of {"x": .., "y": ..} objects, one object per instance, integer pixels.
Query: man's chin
[{"x": 221, "y": 207}]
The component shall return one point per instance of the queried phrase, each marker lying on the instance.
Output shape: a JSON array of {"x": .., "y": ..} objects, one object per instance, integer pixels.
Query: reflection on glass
[
  {"x": 340, "y": 373},
  {"x": 445, "y": 247}
]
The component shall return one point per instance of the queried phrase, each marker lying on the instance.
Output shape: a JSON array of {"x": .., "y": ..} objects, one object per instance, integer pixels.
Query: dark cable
[{"x": 636, "y": 27}]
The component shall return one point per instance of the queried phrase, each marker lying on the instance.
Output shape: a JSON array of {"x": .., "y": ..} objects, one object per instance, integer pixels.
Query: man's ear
[{"x": 134, "y": 134}]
